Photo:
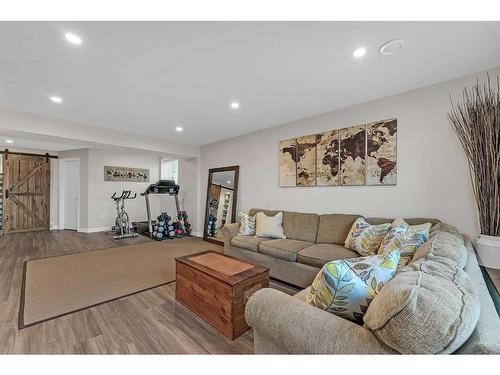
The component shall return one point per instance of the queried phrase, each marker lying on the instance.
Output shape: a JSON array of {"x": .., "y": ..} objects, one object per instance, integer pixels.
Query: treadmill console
[{"x": 163, "y": 187}]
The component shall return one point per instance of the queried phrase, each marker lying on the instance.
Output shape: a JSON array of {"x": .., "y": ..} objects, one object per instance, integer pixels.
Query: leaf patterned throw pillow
[
  {"x": 346, "y": 287},
  {"x": 365, "y": 238},
  {"x": 401, "y": 223},
  {"x": 247, "y": 225},
  {"x": 405, "y": 239}
]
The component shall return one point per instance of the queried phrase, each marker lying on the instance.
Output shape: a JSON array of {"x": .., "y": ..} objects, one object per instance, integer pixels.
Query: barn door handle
[{"x": 6, "y": 193}]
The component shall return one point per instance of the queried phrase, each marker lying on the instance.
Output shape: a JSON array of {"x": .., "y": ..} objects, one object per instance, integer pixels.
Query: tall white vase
[{"x": 488, "y": 251}]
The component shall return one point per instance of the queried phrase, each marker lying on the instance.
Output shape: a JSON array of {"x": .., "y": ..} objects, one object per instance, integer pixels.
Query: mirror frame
[{"x": 211, "y": 171}]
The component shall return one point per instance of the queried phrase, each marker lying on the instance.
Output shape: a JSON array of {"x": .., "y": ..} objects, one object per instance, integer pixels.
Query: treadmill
[{"x": 161, "y": 187}]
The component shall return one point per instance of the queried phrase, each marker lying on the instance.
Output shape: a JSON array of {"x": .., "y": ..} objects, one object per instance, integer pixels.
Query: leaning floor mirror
[{"x": 220, "y": 208}]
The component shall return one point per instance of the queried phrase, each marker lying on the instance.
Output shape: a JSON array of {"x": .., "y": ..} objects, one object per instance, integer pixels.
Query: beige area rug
[{"x": 60, "y": 285}]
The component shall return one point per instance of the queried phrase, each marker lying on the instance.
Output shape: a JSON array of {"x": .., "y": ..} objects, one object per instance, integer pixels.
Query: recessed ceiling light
[
  {"x": 235, "y": 105},
  {"x": 228, "y": 181},
  {"x": 9, "y": 141},
  {"x": 56, "y": 99},
  {"x": 73, "y": 38},
  {"x": 179, "y": 129},
  {"x": 359, "y": 52},
  {"x": 391, "y": 47}
]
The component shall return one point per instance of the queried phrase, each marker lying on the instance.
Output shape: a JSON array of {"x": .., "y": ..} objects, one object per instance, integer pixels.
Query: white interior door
[{"x": 69, "y": 191}]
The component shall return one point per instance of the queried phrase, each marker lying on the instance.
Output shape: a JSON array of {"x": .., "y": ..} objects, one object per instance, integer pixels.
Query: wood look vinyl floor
[{"x": 150, "y": 322}]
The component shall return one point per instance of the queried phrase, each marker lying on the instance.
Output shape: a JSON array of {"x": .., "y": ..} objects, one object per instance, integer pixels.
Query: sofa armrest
[
  {"x": 300, "y": 328},
  {"x": 229, "y": 231}
]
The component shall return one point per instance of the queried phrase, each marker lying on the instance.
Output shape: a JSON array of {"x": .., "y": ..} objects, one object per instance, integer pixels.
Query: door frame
[{"x": 61, "y": 194}]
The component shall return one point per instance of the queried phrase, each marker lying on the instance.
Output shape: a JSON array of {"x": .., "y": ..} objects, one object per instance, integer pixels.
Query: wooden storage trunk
[{"x": 216, "y": 287}]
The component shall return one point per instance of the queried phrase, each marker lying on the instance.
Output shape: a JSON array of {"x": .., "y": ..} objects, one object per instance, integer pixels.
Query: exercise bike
[{"x": 122, "y": 222}]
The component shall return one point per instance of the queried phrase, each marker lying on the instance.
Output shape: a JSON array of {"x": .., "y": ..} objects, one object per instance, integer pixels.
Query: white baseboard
[
  {"x": 197, "y": 234},
  {"x": 93, "y": 230}
]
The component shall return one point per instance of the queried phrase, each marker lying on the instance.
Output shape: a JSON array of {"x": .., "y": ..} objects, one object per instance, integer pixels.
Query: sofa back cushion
[
  {"x": 253, "y": 211},
  {"x": 431, "y": 306},
  {"x": 334, "y": 228},
  {"x": 301, "y": 226},
  {"x": 297, "y": 225}
]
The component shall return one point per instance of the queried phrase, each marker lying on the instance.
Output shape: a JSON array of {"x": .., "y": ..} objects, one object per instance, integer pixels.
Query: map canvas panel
[
  {"x": 327, "y": 159},
  {"x": 352, "y": 155},
  {"x": 306, "y": 160},
  {"x": 288, "y": 162},
  {"x": 381, "y": 144}
]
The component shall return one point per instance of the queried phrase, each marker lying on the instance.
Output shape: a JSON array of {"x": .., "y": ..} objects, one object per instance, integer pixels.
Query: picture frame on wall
[
  {"x": 327, "y": 159},
  {"x": 306, "y": 160},
  {"x": 125, "y": 174},
  {"x": 352, "y": 145},
  {"x": 288, "y": 162},
  {"x": 357, "y": 155},
  {"x": 381, "y": 153}
]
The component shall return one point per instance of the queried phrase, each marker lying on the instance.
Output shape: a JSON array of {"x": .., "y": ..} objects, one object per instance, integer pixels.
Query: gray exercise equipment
[
  {"x": 161, "y": 187},
  {"x": 122, "y": 222}
]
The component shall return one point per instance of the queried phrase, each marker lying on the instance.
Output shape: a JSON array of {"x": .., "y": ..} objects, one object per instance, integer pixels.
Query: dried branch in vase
[{"x": 476, "y": 121}]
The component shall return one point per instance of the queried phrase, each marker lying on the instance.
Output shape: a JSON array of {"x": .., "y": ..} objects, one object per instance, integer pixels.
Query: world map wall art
[{"x": 353, "y": 156}]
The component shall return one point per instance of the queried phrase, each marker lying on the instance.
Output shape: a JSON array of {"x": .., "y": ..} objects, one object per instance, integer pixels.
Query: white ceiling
[
  {"x": 31, "y": 144},
  {"x": 148, "y": 77}
]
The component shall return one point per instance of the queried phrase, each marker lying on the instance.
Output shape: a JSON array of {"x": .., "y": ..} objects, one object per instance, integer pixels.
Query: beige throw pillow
[{"x": 269, "y": 226}]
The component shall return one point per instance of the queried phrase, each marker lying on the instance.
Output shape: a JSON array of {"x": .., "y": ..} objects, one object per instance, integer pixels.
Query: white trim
[
  {"x": 61, "y": 195},
  {"x": 93, "y": 230},
  {"x": 197, "y": 234}
]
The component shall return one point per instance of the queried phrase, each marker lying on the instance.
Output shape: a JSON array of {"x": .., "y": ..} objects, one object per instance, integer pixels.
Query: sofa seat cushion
[
  {"x": 319, "y": 254},
  {"x": 248, "y": 242},
  {"x": 283, "y": 248},
  {"x": 431, "y": 306}
]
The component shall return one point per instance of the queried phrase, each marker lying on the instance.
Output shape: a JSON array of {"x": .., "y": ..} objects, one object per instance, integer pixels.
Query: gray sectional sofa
[
  {"x": 437, "y": 304},
  {"x": 311, "y": 241}
]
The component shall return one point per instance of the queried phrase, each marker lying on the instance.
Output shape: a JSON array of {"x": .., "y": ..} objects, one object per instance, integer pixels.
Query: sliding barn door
[{"x": 26, "y": 193}]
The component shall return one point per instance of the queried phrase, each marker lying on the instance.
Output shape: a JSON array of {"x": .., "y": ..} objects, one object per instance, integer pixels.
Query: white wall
[
  {"x": 121, "y": 146},
  {"x": 433, "y": 178},
  {"x": 98, "y": 210},
  {"x": 102, "y": 209}
]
